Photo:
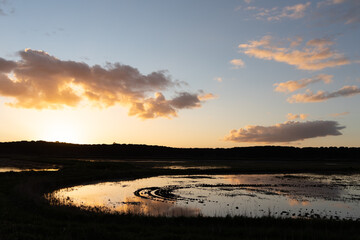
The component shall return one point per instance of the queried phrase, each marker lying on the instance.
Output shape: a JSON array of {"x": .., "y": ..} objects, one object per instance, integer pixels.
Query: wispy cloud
[
  {"x": 320, "y": 42},
  {"x": 5, "y": 8},
  {"x": 330, "y": 2},
  {"x": 40, "y": 80},
  {"x": 291, "y": 116},
  {"x": 293, "y": 12},
  {"x": 285, "y": 132},
  {"x": 339, "y": 114},
  {"x": 219, "y": 79},
  {"x": 295, "y": 42},
  {"x": 276, "y": 13},
  {"x": 322, "y": 96},
  {"x": 339, "y": 11},
  {"x": 237, "y": 63},
  {"x": 291, "y": 86},
  {"x": 316, "y": 55}
]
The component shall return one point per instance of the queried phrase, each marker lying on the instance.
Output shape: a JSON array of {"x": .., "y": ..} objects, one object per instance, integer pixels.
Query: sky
[{"x": 187, "y": 73}]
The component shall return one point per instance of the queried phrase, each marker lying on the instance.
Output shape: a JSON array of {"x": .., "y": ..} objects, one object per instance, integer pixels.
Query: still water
[
  {"x": 276, "y": 195},
  {"x": 15, "y": 169}
]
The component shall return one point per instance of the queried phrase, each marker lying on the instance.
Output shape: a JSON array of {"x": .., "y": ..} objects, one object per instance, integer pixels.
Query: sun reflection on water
[{"x": 276, "y": 195}]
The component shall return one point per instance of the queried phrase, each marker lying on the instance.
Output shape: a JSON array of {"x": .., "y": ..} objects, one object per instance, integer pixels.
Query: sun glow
[{"x": 62, "y": 132}]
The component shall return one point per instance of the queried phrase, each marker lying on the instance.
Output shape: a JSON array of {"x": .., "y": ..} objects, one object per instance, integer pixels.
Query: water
[
  {"x": 276, "y": 195},
  {"x": 181, "y": 167},
  {"x": 14, "y": 169}
]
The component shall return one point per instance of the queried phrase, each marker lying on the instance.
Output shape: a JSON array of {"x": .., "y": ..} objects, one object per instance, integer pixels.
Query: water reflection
[
  {"x": 181, "y": 167},
  {"x": 14, "y": 169},
  {"x": 278, "y": 195},
  {"x": 155, "y": 208}
]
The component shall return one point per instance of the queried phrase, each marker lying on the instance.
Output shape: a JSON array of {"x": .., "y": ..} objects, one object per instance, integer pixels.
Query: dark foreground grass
[{"x": 25, "y": 214}]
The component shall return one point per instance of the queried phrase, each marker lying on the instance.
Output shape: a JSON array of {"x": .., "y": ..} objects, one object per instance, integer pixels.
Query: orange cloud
[
  {"x": 302, "y": 116},
  {"x": 291, "y": 86},
  {"x": 275, "y": 14},
  {"x": 339, "y": 114},
  {"x": 237, "y": 63},
  {"x": 219, "y": 79},
  {"x": 207, "y": 96},
  {"x": 296, "y": 42},
  {"x": 313, "y": 56},
  {"x": 319, "y": 42},
  {"x": 322, "y": 96},
  {"x": 285, "y": 132},
  {"x": 293, "y": 12},
  {"x": 40, "y": 80}
]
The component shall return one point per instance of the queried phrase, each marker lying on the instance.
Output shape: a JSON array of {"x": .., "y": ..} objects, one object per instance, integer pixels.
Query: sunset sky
[{"x": 189, "y": 73}]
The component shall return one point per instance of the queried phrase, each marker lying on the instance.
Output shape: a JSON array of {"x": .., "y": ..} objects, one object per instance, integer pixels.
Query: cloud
[
  {"x": 153, "y": 107},
  {"x": 285, "y": 132},
  {"x": 322, "y": 96},
  {"x": 206, "y": 96},
  {"x": 291, "y": 86},
  {"x": 330, "y": 2},
  {"x": 319, "y": 42},
  {"x": 316, "y": 55},
  {"x": 186, "y": 100},
  {"x": 5, "y": 8},
  {"x": 219, "y": 79},
  {"x": 276, "y": 14},
  {"x": 6, "y": 66},
  {"x": 339, "y": 11},
  {"x": 295, "y": 42},
  {"x": 339, "y": 114},
  {"x": 291, "y": 116},
  {"x": 293, "y": 12},
  {"x": 39, "y": 80},
  {"x": 248, "y": 1},
  {"x": 237, "y": 63}
]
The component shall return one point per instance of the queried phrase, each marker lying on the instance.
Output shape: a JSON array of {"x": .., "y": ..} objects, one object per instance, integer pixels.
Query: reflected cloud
[
  {"x": 156, "y": 208},
  {"x": 294, "y": 202},
  {"x": 294, "y": 187}
]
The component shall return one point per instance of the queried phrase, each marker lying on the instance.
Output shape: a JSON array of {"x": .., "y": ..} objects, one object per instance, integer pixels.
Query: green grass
[{"x": 26, "y": 214}]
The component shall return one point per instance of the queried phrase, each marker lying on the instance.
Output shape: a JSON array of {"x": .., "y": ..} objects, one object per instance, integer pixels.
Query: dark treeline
[{"x": 132, "y": 151}]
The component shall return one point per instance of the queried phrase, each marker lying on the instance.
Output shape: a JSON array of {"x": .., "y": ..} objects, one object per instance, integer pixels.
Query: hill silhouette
[{"x": 133, "y": 151}]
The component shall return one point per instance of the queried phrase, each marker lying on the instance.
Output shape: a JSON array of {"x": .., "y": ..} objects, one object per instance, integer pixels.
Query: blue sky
[{"x": 194, "y": 42}]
